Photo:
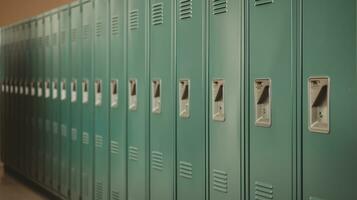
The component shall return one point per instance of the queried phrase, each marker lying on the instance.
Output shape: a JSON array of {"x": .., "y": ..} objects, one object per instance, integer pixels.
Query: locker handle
[
  {"x": 133, "y": 100},
  {"x": 184, "y": 95},
  {"x": 156, "y": 96},
  {"x": 262, "y": 96},
  {"x": 114, "y": 93},
  {"x": 218, "y": 113},
  {"x": 98, "y": 92},
  {"x": 63, "y": 90},
  {"x": 47, "y": 89},
  {"x": 74, "y": 91},
  {"x": 85, "y": 92}
]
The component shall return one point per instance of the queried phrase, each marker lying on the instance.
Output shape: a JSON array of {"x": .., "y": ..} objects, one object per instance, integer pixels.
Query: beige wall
[{"x": 12, "y": 11}]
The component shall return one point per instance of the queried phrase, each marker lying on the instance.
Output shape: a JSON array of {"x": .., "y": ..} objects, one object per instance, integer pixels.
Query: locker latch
[
  {"x": 218, "y": 100},
  {"x": 11, "y": 87},
  {"x": 98, "y": 92},
  {"x": 54, "y": 89},
  {"x": 262, "y": 96},
  {"x": 85, "y": 91},
  {"x": 63, "y": 90},
  {"x": 114, "y": 93},
  {"x": 16, "y": 88},
  {"x": 319, "y": 99},
  {"x": 39, "y": 88},
  {"x": 133, "y": 100},
  {"x": 47, "y": 89},
  {"x": 184, "y": 92},
  {"x": 26, "y": 88},
  {"x": 21, "y": 87},
  {"x": 33, "y": 88},
  {"x": 74, "y": 90},
  {"x": 156, "y": 96}
]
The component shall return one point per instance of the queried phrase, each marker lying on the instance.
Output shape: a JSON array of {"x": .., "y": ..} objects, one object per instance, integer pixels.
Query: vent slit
[
  {"x": 185, "y": 9},
  {"x": 263, "y": 2}
]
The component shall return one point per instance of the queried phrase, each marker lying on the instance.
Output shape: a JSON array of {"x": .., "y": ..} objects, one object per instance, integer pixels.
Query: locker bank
[{"x": 179, "y": 100}]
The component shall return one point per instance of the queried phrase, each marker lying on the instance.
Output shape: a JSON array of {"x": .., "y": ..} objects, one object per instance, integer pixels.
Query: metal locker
[
  {"x": 54, "y": 87},
  {"x": 40, "y": 100},
  {"x": 329, "y": 96},
  {"x": 138, "y": 100},
  {"x": 75, "y": 98},
  {"x": 162, "y": 100},
  {"x": 64, "y": 92},
  {"x": 117, "y": 101},
  {"x": 191, "y": 99},
  {"x": 226, "y": 99},
  {"x": 272, "y": 77},
  {"x": 101, "y": 95},
  {"x": 47, "y": 100},
  {"x": 87, "y": 102}
]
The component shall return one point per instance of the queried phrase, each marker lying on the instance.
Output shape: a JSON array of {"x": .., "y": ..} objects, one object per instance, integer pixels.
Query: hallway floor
[{"x": 12, "y": 189}]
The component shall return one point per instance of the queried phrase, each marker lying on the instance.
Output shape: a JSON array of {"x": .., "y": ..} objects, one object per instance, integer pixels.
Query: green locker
[
  {"x": 47, "y": 101},
  {"x": 329, "y": 96},
  {"x": 118, "y": 87},
  {"x": 226, "y": 99},
  {"x": 87, "y": 102},
  {"x": 65, "y": 72},
  {"x": 40, "y": 100},
  {"x": 138, "y": 100},
  {"x": 101, "y": 101},
  {"x": 33, "y": 102},
  {"x": 162, "y": 98},
  {"x": 55, "y": 101},
  {"x": 76, "y": 61},
  {"x": 272, "y": 77},
  {"x": 191, "y": 98}
]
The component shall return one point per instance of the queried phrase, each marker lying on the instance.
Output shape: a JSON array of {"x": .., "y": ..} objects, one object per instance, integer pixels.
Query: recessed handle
[
  {"x": 133, "y": 99},
  {"x": 39, "y": 88},
  {"x": 63, "y": 90},
  {"x": 114, "y": 93},
  {"x": 47, "y": 89},
  {"x": 184, "y": 98},
  {"x": 98, "y": 92},
  {"x": 319, "y": 100},
  {"x": 262, "y": 96},
  {"x": 218, "y": 100},
  {"x": 156, "y": 96},
  {"x": 74, "y": 91},
  {"x": 85, "y": 91},
  {"x": 54, "y": 89}
]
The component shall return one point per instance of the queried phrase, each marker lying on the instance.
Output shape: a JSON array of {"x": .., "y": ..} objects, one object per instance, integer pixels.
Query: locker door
[
  {"x": 191, "y": 96},
  {"x": 101, "y": 89},
  {"x": 329, "y": 85},
  {"x": 162, "y": 96},
  {"x": 40, "y": 100},
  {"x": 75, "y": 98},
  {"x": 55, "y": 102},
  {"x": 226, "y": 89},
  {"x": 65, "y": 99},
  {"x": 138, "y": 100},
  {"x": 87, "y": 103},
  {"x": 47, "y": 99},
  {"x": 272, "y": 94},
  {"x": 118, "y": 87}
]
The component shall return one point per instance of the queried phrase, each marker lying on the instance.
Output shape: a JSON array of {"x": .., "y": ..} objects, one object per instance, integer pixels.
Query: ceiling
[{"x": 12, "y": 11}]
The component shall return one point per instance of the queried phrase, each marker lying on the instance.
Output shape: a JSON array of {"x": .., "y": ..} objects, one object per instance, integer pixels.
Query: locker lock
[
  {"x": 47, "y": 89},
  {"x": 218, "y": 100},
  {"x": 319, "y": 99},
  {"x": 156, "y": 96},
  {"x": 33, "y": 88},
  {"x": 133, "y": 100},
  {"x": 262, "y": 96},
  {"x": 54, "y": 89},
  {"x": 63, "y": 90},
  {"x": 74, "y": 91},
  {"x": 114, "y": 93},
  {"x": 39, "y": 88},
  {"x": 16, "y": 88},
  {"x": 85, "y": 91},
  {"x": 21, "y": 87},
  {"x": 98, "y": 92},
  {"x": 184, "y": 95},
  {"x": 26, "y": 88}
]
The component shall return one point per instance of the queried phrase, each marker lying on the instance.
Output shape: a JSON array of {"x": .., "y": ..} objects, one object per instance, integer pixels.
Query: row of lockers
[{"x": 185, "y": 99}]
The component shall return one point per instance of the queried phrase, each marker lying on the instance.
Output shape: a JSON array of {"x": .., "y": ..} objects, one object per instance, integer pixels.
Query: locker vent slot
[
  {"x": 74, "y": 134},
  {"x": 114, "y": 147},
  {"x": 185, "y": 9},
  {"x": 315, "y": 198},
  {"x": 74, "y": 35},
  {"x": 263, "y": 2},
  {"x": 85, "y": 138},
  {"x": 219, "y": 6},
  {"x": 133, "y": 153},
  {"x": 263, "y": 191},
  {"x": 185, "y": 170},
  {"x": 115, "y": 195},
  {"x": 220, "y": 181},
  {"x": 157, "y": 11},
  {"x": 86, "y": 30},
  {"x": 115, "y": 25},
  {"x": 98, "y": 29},
  {"x": 98, "y": 191},
  {"x": 157, "y": 160},
  {"x": 134, "y": 19},
  {"x": 98, "y": 141}
]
